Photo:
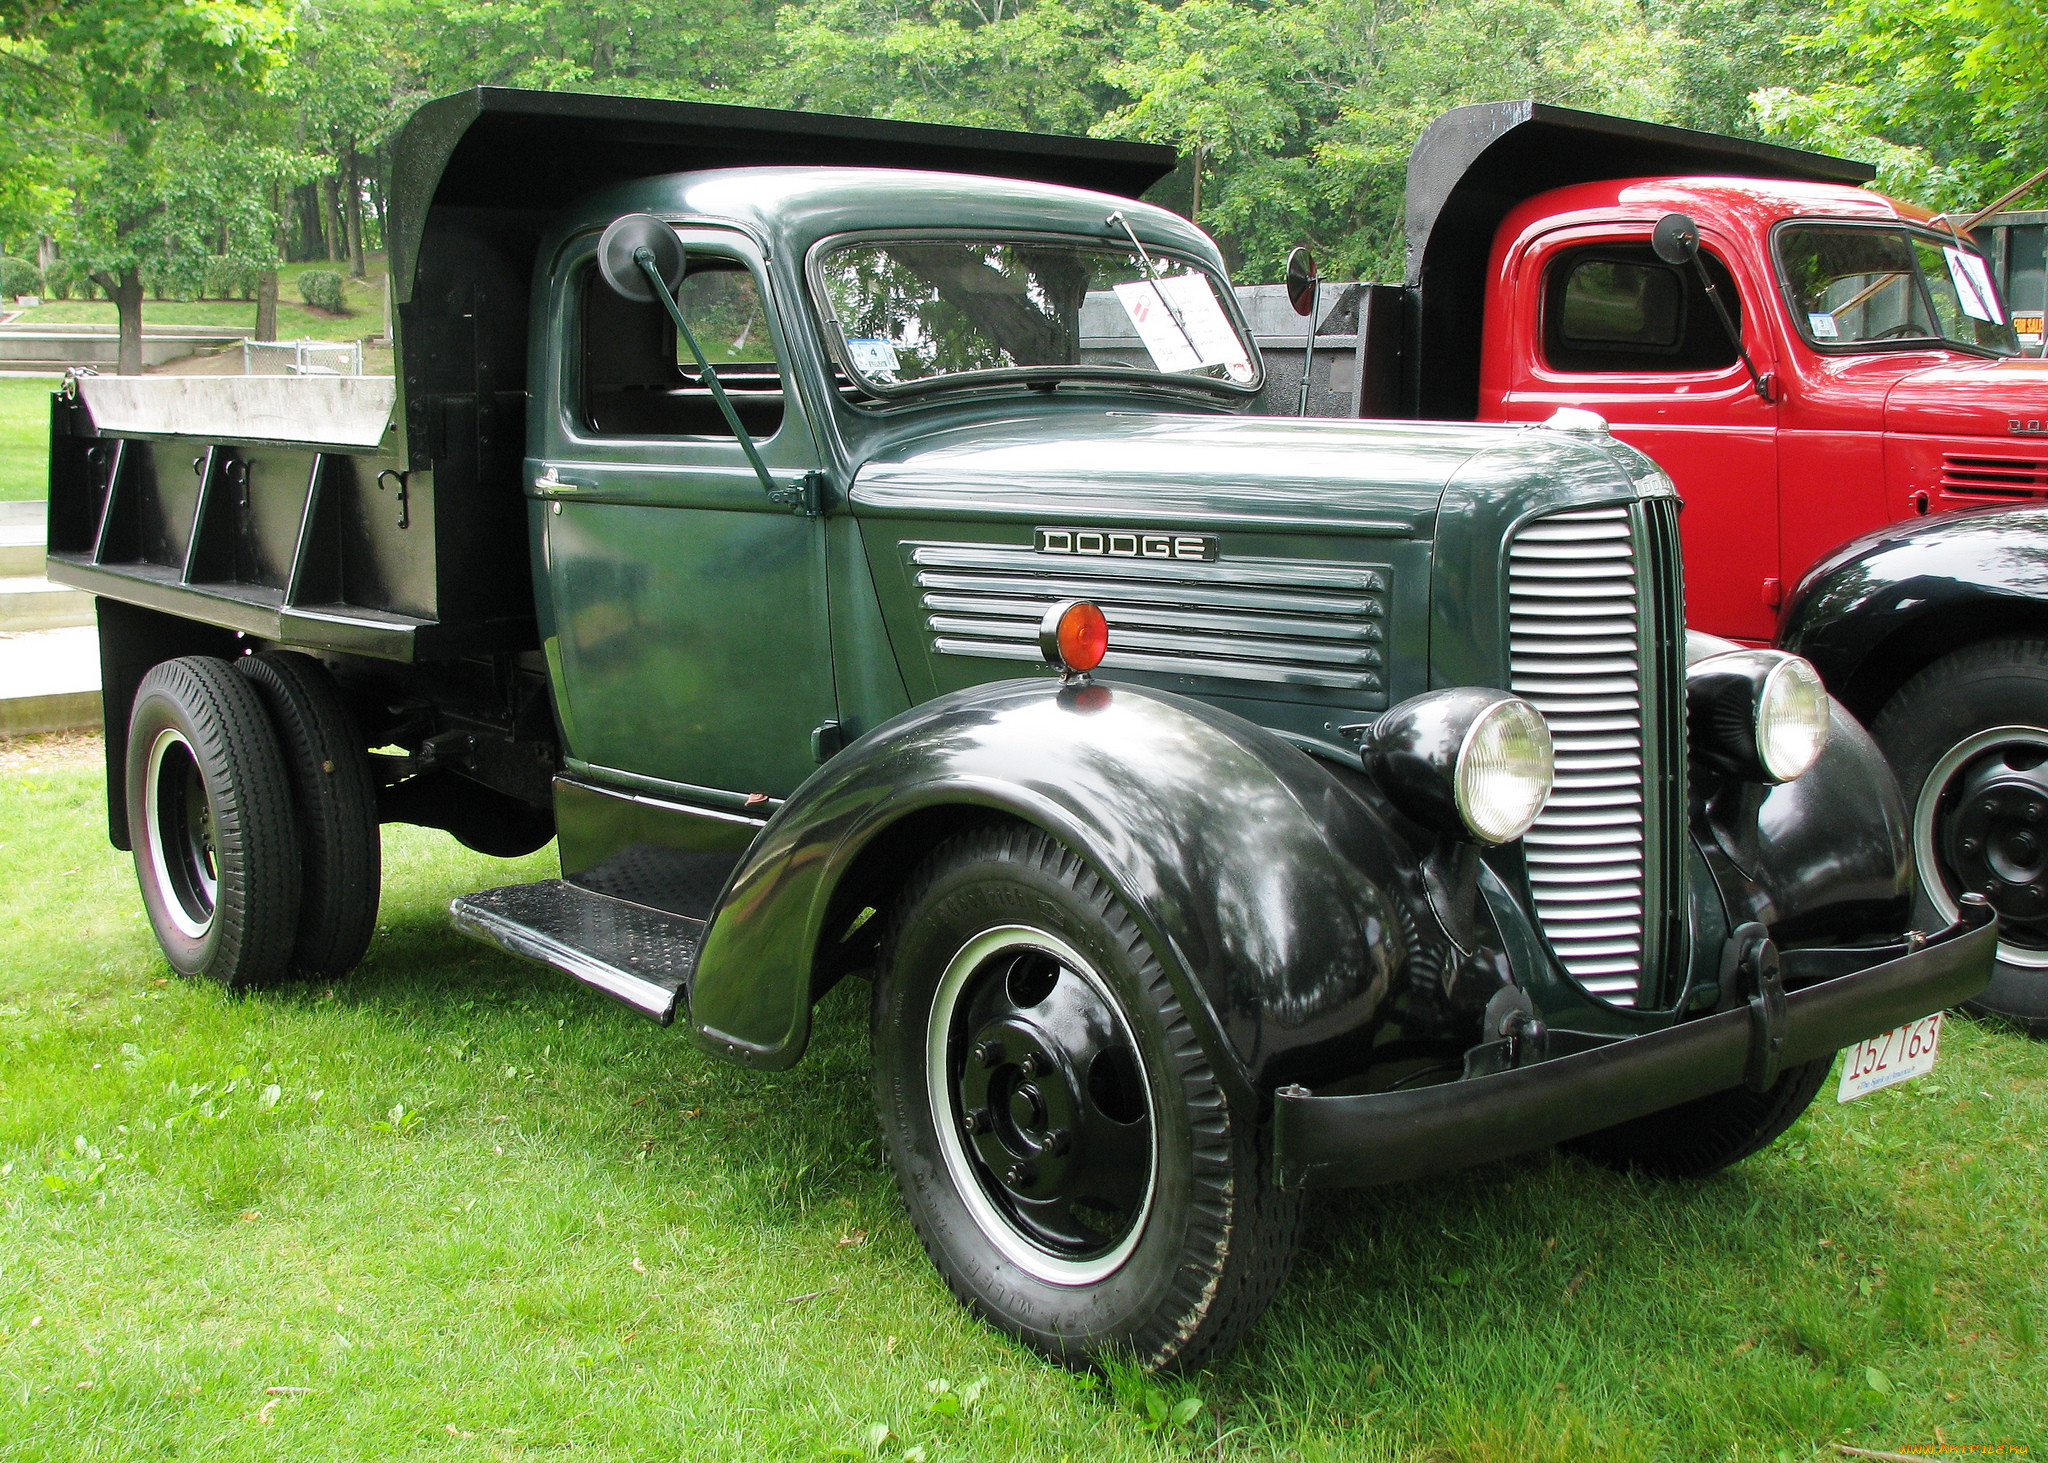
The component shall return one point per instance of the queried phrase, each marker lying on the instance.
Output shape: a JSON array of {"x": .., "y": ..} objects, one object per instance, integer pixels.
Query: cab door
[
  {"x": 1605, "y": 325},
  {"x": 684, "y": 614}
]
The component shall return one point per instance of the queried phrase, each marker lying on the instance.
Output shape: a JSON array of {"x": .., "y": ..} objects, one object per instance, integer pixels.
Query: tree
[
  {"x": 1945, "y": 97},
  {"x": 143, "y": 87}
]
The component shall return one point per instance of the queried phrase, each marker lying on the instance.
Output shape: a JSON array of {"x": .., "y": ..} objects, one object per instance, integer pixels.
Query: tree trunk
[
  {"x": 266, "y": 305},
  {"x": 1195, "y": 209},
  {"x": 352, "y": 214},
  {"x": 126, "y": 293},
  {"x": 329, "y": 215}
]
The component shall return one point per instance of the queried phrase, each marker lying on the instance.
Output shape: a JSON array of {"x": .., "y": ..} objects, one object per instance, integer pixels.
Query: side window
[
  {"x": 639, "y": 379},
  {"x": 1618, "y": 307}
]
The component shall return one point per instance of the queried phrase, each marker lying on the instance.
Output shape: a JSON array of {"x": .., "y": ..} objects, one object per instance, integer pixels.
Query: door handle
[{"x": 551, "y": 483}]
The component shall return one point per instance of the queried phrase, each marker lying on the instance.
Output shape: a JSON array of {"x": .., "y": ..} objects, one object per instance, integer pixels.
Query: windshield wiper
[{"x": 1152, "y": 275}]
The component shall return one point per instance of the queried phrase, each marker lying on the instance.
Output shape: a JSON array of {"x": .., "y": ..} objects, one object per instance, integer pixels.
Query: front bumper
[{"x": 1385, "y": 1137}]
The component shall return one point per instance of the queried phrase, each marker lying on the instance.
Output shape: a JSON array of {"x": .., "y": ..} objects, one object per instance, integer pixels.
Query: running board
[{"x": 634, "y": 954}]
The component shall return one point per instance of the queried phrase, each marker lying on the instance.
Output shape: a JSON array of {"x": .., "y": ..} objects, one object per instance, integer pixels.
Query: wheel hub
[
  {"x": 1995, "y": 835},
  {"x": 1047, "y": 1113}
]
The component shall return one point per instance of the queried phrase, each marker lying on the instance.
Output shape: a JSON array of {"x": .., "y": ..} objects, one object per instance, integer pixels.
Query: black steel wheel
[
  {"x": 1710, "y": 1133},
  {"x": 1968, "y": 740},
  {"x": 210, "y": 817},
  {"x": 335, "y": 800},
  {"x": 1058, "y": 1135}
]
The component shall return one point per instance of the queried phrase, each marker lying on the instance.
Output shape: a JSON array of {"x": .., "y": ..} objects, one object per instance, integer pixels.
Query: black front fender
[{"x": 1281, "y": 904}]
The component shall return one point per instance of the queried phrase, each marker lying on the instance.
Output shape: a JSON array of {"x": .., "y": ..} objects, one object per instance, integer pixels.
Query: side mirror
[
  {"x": 1676, "y": 239},
  {"x": 1301, "y": 280},
  {"x": 618, "y": 256}
]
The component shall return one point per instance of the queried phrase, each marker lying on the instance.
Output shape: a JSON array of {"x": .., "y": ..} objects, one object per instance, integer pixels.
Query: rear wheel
[
  {"x": 1968, "y": 740},
  {"x": 1058, "y": 1135},
  {"x": 1708, "y": 1134},
  {"x": 336, "y": 804},
  {"x": 210, "y": 817}
]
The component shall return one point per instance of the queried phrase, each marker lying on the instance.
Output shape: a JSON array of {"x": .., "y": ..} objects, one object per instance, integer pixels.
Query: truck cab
[{"x": 1892, "y": 369}]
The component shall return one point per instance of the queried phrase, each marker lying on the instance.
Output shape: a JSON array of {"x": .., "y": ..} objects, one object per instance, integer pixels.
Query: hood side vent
[
  {"x": 1291, "y": 622},
  {"x": 2001, "y": 478}
]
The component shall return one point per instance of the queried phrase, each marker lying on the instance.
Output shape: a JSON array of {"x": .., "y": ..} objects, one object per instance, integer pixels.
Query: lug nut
[
  {"x": 1021, "y": 1176},
  {"x": 989, "y": 1053},
  {"x": 1989, "y": 806},
  {"x": 1031, "y": 1066},
  {"x": 1969, "y": 845},
  {"x": 1058, "y": 1141},
  {"x": 977, "y": 1121}
]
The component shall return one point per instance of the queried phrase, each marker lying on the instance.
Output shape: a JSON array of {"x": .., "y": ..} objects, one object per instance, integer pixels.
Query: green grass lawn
[
  {"x": 25, "y": 436},
  {"x": 457, "y": 1207}
]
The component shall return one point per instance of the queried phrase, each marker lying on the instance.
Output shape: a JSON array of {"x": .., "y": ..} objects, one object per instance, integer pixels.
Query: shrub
[
  {"x": 321, "y": 288},
  {"x": 19, "y": 277}
]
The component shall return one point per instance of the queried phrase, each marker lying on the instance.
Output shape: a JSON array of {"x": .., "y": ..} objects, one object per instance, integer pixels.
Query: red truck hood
[{"x": 1972, "y": 399}]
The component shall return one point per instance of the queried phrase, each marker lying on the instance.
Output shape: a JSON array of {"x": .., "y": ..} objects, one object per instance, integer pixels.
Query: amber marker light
[{"x": 1073, "y": 637}]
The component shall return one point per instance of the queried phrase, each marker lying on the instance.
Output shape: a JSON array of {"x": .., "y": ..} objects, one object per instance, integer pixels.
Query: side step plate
[{"x": 634, "y": 954}]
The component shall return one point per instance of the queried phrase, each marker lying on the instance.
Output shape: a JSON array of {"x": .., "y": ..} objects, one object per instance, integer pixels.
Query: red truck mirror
[
  {"x": 1676, "y": 239},
  {"x": 618, "y": 256}
]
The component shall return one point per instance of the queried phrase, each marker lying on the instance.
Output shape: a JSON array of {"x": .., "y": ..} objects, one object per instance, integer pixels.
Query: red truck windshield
[{"x": 1855, "y": 287}]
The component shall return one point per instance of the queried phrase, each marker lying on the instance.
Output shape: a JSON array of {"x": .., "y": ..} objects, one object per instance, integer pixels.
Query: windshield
[
  {"x": 1857, "y": 286},
  {"x": 918, "y": 311}
]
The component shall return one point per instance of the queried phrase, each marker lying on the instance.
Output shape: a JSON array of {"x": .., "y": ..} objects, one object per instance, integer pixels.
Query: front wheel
[
  {"x": 1059, "y": 1137},
  {"x": 1968, "y": 740}
]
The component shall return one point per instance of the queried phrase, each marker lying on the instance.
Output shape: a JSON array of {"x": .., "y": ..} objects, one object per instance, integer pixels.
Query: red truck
[{"x": 1819, "y": 369}]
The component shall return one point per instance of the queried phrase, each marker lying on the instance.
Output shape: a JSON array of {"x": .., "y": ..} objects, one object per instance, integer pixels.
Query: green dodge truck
[{"x": 845, "y": 539}]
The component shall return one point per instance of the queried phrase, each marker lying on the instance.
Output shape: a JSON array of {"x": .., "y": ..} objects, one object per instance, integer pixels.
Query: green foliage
[
  {"x": 321, "y": 288},
  {"x": 18, "y": 277},
  {"x": 1946, "y": 98}
]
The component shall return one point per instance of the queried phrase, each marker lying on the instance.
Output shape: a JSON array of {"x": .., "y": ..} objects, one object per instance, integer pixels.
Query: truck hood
[
  {"x": 1086, "y": 466},
  {"x": 1972, "y": 399}
]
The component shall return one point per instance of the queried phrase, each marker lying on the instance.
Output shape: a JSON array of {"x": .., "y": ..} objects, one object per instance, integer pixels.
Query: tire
[
  {"x": 1708, "y": 1134},
  {"x": 1004, "y": 936},
  {"x": 210, "y": 809},
  {"x": 1968, "y": 740},
  {"x": 336, "y": 805}
]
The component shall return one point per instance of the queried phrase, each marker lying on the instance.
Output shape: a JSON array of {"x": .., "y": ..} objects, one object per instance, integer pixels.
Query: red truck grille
[{"x": 1993, "y": 477}]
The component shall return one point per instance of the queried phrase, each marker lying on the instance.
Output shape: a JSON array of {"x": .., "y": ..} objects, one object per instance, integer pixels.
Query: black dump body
[{"x": 1473, "y": 165}]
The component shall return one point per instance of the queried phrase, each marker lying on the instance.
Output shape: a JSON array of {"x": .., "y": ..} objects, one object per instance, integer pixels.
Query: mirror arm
[
  {"x": 1308, "y": 354},
  {"x": 645, "y": 259},
  {"x": 1757, "y": 380}
]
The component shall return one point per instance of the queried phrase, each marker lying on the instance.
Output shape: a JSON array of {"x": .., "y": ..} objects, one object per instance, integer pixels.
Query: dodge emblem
[
  {"x": 1117, "y": 543},
  {"x": 2026, "y": 428}
]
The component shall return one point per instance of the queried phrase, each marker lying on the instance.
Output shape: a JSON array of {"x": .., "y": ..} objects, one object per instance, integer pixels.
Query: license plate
[{"x": 1885, "y": 1061}]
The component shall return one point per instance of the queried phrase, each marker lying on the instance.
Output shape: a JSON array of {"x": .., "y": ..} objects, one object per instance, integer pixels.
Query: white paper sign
[
  {"x": 873, "y": 357},
  {"x": 1170, "y": 350},
  {"x": 1974, "y": 290},
  {"x": 1822, "y": 324},
  {"x": 1200, "y": 336}
]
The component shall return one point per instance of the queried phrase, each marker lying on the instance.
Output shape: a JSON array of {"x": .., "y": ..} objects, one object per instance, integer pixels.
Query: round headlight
[
  {"x": 1469, "y": 763},
  {"x": 1505, "y": 770},
  {"x": 1791, "y": 719}
]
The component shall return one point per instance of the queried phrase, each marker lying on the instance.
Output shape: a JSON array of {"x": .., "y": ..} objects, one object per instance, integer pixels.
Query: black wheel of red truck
[
  {"x": 1057, "y": 1132},
  {"x": 210, "y": 818},
  {"x": 1968, "y": 740},
  {"x": 335, "y": 800},
  {"x": 1708, "y": 1134}
]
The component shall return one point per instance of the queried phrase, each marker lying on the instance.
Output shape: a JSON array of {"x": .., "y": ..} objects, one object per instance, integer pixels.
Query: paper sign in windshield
[
  {"x": 1822, "y": 324},
  {"x": 1974, "y": 290},
  {"x": 1200, "y": 336},
  {"x": 873, "y": 358}
]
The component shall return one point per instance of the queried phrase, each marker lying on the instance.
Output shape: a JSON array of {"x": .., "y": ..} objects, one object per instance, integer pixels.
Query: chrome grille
[
  {"x": 1576, "y": 618},
  {"x": 1286, "y": 621}
]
